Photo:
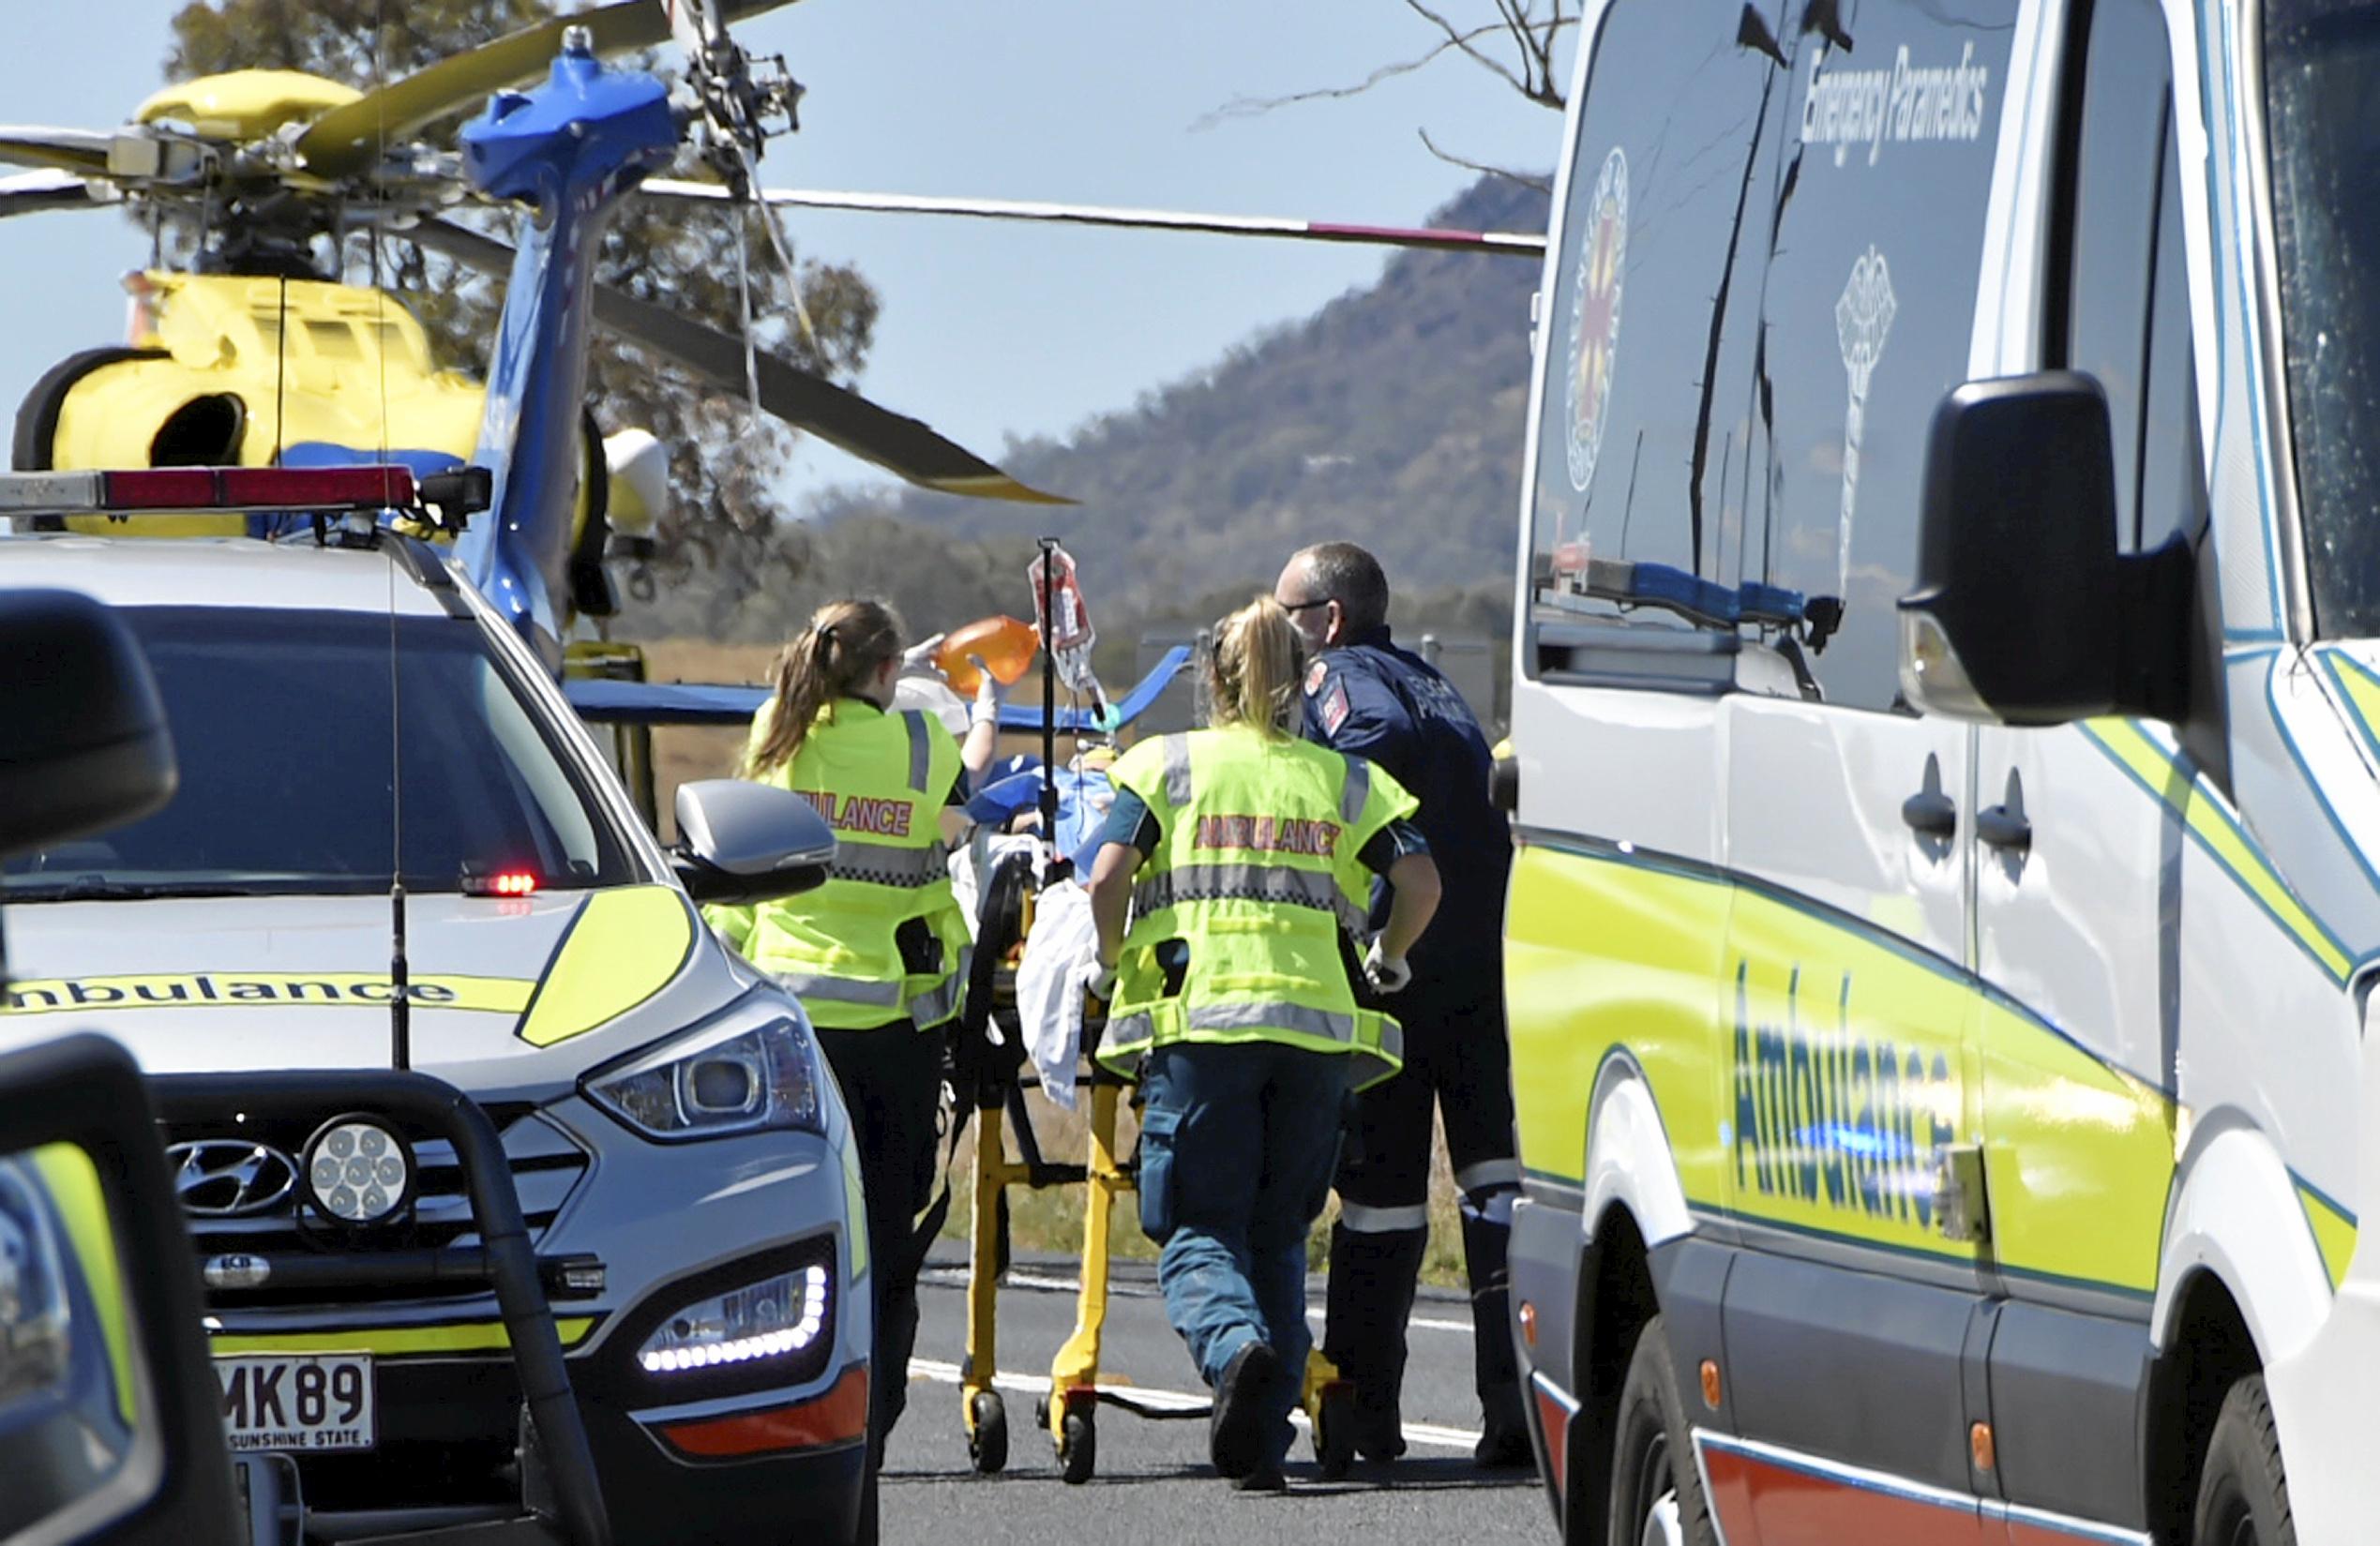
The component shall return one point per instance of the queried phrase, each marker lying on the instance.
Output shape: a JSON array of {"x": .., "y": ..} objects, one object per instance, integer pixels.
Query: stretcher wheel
[
  {"x": 1078, "y": 1447},
  {"x": 987, "y": 1441},
  {"x": 1334, "y": 1431}
]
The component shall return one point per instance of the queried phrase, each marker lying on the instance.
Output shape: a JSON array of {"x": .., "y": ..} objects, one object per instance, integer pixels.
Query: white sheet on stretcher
[{"x": 1061, "y": 955}]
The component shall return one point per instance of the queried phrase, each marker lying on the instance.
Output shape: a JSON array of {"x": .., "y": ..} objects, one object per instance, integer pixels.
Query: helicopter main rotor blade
[
  {"x": 903, "y": 445},
  {"x": 32, "y": 192},
  {"x": 1504, "y": 243},
  {"x": 349, "y": 139},
  {"x": 66, "y": 149}
]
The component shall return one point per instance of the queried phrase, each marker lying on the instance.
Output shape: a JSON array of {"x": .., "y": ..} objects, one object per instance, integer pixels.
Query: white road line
[
  {"x": 1178, "y": 1400},
  {"x": 1314, "y": 1313},
  {"x": 953, "y": 1277}
]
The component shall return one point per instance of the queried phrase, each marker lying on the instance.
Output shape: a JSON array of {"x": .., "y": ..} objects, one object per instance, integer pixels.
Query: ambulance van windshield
[{"x": 2322, "y": 84}]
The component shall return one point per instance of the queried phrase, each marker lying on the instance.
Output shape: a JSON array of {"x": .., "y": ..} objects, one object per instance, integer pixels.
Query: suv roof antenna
[{"x": 400, "y": 1011}]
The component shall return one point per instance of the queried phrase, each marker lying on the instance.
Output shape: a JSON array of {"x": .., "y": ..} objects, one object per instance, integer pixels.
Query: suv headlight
[
  {"x": 776, "y": 1316},
  {"x": 743, "y": 1073}
]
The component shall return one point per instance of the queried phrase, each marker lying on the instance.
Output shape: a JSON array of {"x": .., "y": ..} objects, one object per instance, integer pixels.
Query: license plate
[{"x": 301, "y": 1402}]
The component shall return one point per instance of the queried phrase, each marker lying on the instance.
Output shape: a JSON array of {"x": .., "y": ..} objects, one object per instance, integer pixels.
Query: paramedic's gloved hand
[
  {"x": 920, "y": 656},
  {"x": 1100, "y": 982},
  {"x": 989, "y": 692},
  {"x": 1386, "y": 973}
]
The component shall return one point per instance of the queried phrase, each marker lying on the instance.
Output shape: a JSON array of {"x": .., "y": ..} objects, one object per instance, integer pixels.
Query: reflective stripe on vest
[
  {"x": 1133, "y": 1035},
  {"x": 1357, "y": 789},
  {"x": 1177, "y": 754},
  {"x": 843, "y": 990},
  {"x": 885, "y": 864},
  {"x": 921, "y": 749},
  {"x": 938, "y": 1003},
  {"x": 1247, "y": 882}
]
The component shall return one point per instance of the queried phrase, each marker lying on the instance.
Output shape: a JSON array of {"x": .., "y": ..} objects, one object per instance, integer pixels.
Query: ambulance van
[{"x": 1948, "y": 709}]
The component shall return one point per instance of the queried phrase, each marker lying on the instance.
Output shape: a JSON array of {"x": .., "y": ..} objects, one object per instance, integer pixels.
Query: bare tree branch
[
  {"x": 1515, "y": 15},
  {"x": 1543, "y": 185},
  {"x": 1463, "y": 41},
  {"x": 1533, "y": 39},
  {"x": 1249, "y": 107}
]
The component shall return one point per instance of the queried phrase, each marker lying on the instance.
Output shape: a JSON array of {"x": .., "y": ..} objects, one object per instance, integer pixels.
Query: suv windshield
[
  {"x": 2322, "y": 84},
  {"x": 283, "y": 727}
]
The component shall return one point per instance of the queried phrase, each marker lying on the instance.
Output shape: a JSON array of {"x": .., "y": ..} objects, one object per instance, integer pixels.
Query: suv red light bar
[
  {"x": 177, "y": 488},
  {"x": 260, "y": 489},
  {"x": 502, "y": 883}
]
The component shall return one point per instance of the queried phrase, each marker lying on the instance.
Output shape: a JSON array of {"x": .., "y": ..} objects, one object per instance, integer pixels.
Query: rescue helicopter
[
  {"x": 261, "y": 354},
  {"x": 256, "y": 356}
]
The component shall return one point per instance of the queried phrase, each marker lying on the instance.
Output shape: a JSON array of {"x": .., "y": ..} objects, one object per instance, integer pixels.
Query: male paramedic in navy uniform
[{"x": 1365, "y": 696}]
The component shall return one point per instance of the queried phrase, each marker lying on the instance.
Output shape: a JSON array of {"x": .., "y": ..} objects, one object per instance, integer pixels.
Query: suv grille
[{"x": 547, "y": 1165}]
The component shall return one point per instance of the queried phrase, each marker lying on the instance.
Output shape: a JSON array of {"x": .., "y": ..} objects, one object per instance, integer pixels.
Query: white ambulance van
[{"x": 1948, "y": 709}]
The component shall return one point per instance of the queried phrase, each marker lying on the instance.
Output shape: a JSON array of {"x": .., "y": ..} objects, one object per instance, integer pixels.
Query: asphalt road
[{"x": 1152, "y": 1483}]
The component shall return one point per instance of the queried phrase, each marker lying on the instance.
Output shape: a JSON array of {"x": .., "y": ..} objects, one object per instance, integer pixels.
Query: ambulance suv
[
  {"x": 344, "y": 715},
  {"x": 1943, "y": 936}
]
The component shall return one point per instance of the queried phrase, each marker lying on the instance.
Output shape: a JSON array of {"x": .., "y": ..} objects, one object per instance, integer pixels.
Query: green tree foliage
[{"x": 723, "y": 466}]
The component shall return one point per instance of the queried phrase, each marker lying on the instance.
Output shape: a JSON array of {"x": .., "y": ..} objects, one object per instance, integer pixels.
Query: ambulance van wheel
[
  {"x": 988, "y": 1446},
  {"x": 1656, "y": 1490},
  {"x": 2243, "y": 1497}
]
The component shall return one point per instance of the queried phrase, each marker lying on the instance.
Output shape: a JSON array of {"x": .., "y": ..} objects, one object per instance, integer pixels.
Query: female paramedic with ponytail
[
  {"x": 879, "y": 953},
  {"x": 1245, "y": 858}
]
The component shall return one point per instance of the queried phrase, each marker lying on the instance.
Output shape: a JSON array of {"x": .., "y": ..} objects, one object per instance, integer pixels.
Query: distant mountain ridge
[{"x": 1393, "y": 416}]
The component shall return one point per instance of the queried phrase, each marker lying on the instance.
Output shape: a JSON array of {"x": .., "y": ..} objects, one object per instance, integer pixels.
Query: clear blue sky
[{"x": 988, "y": 331}]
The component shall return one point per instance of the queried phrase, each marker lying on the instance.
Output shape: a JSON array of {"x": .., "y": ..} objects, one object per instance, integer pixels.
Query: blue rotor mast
[{"x": 566, "y": 152}]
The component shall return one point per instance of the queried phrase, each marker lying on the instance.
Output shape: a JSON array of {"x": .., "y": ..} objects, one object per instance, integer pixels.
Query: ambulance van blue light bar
[{"x": 183, "y": 489}]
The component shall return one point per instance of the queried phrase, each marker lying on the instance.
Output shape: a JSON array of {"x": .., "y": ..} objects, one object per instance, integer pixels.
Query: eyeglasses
[{"x": 1295, "y": 607}]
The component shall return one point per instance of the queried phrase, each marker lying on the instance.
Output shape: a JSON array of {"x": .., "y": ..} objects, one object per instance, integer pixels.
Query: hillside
[{"x": 1393, "y": 416}]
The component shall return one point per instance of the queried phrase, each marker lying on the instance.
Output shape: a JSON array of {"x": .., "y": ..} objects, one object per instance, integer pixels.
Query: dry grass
[
  {"x": 684, "y": 752},
  {"x": 1051, "y": 1221}
]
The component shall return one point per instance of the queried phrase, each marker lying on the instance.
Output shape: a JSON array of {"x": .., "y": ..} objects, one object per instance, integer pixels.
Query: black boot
[
  {"x": 1503, "y": 1440},
  {"x": 1236, "y": 1433}
]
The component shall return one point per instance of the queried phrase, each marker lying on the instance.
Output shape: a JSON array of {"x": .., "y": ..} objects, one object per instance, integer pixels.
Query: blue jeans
[{"x": 1237, "y": 1148}]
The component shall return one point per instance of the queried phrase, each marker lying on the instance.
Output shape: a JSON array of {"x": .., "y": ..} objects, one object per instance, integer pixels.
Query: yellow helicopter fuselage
[{"x": 254, "y": 371}]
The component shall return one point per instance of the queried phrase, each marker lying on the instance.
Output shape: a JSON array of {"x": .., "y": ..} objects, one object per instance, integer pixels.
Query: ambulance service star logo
[
  {"x": 1594, "y": 316},
  {"x": 1862, "y": 320}
]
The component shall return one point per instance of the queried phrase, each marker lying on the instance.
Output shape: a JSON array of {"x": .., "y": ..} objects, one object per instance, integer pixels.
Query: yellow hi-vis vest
[
  {"x": 1238, "y": 913},
  {"x": 882, "y": 781}
]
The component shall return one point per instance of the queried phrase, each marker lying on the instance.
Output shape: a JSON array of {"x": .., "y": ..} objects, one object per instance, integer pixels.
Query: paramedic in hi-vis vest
[
  {"x": 1245, "y": 858},
  {"x": 879, "y": 953}
]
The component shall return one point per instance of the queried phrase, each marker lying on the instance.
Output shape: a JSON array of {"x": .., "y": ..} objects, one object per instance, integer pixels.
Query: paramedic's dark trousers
[
  {"x": 1456, "y": 1058},
  {"x": 891, "y": 1080}
]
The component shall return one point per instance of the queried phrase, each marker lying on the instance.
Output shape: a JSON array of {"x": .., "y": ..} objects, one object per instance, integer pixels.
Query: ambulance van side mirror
[
  {"x": 745, "y": 842},
  {"x": 86, "y": 745},
  {"x": 2024, "y": 611}
]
